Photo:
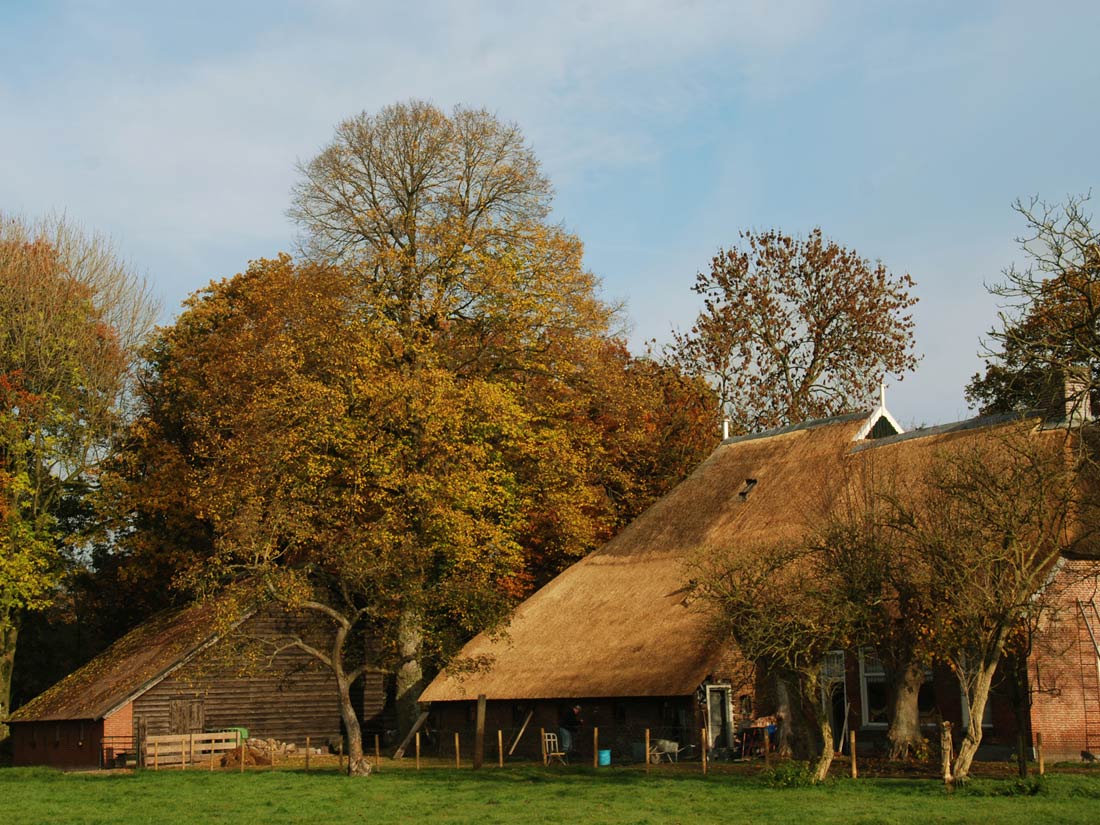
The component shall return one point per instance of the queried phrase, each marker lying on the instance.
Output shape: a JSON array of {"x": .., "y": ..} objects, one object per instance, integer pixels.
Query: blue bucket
[{"x": 604, "y": 758}]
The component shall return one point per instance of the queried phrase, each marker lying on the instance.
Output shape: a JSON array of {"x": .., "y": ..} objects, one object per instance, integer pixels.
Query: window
[
  {"x": 750, "y": 483},
  {"x": 873, "y": 691},
  {"x": 832, "y": 666}
]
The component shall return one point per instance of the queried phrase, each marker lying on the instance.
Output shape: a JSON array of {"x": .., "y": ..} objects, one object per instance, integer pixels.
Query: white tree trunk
[{"x": 976, "y": 702}]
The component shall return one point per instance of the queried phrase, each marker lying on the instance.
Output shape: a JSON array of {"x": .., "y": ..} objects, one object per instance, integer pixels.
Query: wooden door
[{"x": 186, "y": 716}]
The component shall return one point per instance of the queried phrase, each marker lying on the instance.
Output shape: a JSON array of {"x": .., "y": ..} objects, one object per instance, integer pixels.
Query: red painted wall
[{"x": 70, "y": 744}]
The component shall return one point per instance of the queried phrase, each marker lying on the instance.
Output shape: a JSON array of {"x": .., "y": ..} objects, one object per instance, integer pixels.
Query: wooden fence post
[
  {"x": 946, "y": 748},
  {"x": 340, "y": 755},
  {"x": 377, "y": 753},
  {"x": 852, "y": 751},
  {"x": 500, "y": 747},
  {"x": 241, "y": 749},
  {"x": 479, "y": 733},
  {"x": 767, "y": 748},
  {"x": 1039, "y": 752},
  {"x": 595, "y": 747},
  {"x": 418, "y": 750},
  {"x": 703, "y": 740},
  {"x": 156, "y": 756},
  {"x": 458, "y": 752},
  {"x": 307, "y": 754},
  {"x": 542, "y": 744},
  {"x": 647, "y": 750}
]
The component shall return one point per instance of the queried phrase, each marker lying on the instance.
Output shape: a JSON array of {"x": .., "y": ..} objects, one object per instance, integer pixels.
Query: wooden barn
[
  {"x": 618, "y": 632},
  {"x": 177, "y": 674}
]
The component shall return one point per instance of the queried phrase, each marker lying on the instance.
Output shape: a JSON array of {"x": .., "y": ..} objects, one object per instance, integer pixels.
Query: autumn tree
[
  {"x": 794, "y": 329},
  {"x": 395, "y": 497},
  {"x": 330, "y": 481},
  {"x": 1049, "y": 329},
  {"x": 443, "y": 220},
  {"x": 781, "y": 606},
  {"x": 71, "y": 316}
]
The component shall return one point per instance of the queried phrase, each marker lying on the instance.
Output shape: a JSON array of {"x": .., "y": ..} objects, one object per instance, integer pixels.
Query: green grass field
[{"x": 525, "y": 794}]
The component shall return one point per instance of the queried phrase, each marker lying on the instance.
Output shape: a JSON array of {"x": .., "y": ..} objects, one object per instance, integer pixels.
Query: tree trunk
[
  {"x": 358, "y": 765},
  {"x": 9, "y": 633},
  {"x": 976, "y": 703},
  {"x": 410, "y": 675},
  {"x": 946, "y": 746},
  {"x": 825, "y": 759},
  {"x": 784, "y": 719},
  {"x": 904, "y": 734}
]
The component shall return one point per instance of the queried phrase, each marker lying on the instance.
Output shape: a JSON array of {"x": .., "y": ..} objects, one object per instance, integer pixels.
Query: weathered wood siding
[
  {"x": 65, "y": 744},
  {"x": 235, "y": 683}
]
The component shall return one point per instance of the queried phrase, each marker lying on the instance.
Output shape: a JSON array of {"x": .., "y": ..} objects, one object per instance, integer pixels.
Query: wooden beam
[
  {"x": 522, "y": 729},
  {"x": 417, "y": 725}
]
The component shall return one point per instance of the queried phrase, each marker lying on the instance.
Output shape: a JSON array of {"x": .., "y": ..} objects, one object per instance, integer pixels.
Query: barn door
[
  {"x": 186, "y": 716},
  {"x": 718, "y": 716}
]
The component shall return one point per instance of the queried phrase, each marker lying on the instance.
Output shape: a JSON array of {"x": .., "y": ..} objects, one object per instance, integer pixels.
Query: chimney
[{"x": 1076, "y": 392}]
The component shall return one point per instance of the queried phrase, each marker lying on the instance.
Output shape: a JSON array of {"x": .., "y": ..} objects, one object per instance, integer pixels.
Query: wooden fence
[{"x": 187, "y": 749}]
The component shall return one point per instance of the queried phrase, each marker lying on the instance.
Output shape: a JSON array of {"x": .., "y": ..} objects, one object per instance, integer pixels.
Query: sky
[{"x": 905, "y": 130}]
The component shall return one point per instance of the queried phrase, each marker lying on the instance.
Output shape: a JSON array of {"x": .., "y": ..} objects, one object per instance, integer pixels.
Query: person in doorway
[{"x": 568, "y": 727}]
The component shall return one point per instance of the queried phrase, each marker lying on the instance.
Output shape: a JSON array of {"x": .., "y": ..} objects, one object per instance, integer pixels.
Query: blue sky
[{"x": 905, "y": 130}]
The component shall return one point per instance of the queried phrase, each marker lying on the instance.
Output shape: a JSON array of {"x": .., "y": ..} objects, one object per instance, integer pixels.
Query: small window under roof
[
  {"x": 750, "y": 483},
  {"x": 882, "y": 428}
]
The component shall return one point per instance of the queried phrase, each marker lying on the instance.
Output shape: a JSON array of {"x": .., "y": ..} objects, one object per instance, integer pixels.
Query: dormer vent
[
  {"x": 750, "y": 483},
  {"x": 879, "y": 424}
]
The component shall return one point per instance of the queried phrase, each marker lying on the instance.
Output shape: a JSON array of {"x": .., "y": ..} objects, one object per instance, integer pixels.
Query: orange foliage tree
[{"x": 795, "y": 329}]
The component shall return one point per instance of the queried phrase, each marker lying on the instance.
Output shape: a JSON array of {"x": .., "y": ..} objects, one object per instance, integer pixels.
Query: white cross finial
[{"x": 882, "y": 394}]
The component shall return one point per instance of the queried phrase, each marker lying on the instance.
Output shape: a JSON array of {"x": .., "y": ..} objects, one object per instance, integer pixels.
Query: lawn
[{"x": 521, "y": 794}]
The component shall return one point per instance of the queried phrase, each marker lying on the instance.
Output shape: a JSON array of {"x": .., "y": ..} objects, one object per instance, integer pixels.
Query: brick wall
[
  {"x": 1063, "y": 668},
  {"x": 120, "y": 724}
]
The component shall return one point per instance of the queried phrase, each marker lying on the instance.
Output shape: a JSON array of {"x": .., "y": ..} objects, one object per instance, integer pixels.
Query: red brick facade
[
  {"x": 1064, "y": 669},
  {"x": 118, "y": 734}
]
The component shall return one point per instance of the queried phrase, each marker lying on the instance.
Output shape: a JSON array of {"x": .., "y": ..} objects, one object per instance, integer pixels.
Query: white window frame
[{"x": 863, "y": 708}]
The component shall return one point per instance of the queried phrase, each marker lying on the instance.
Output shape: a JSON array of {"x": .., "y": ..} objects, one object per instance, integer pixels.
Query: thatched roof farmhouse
[{"x": 618, "y": 632}]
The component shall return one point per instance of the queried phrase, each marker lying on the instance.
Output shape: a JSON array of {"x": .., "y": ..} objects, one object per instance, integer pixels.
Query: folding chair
[{"x": 551, "y": 750}]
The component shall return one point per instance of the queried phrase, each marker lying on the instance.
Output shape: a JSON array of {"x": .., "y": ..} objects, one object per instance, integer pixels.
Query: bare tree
[
  {"x": 779, "y": 604},
  {"x": 1049, "y": 328},
  {"x": 986, "y": 525},
  {"x": 883, "y": 591}
]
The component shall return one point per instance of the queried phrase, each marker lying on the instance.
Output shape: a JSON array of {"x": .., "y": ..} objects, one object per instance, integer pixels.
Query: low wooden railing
[{"x": 187, "y": 749}]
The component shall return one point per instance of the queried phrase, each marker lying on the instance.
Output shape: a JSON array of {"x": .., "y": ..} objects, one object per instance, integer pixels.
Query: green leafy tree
[{"x": 71, "y": 316}]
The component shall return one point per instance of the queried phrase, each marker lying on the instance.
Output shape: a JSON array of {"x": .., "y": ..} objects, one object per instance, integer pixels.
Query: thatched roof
[
  {"x": 620, "y": 622},
  {"x": 128, "y": 668}
]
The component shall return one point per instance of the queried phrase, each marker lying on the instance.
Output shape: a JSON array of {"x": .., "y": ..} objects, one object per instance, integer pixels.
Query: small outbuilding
[{"x": 186, "y": 671}]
